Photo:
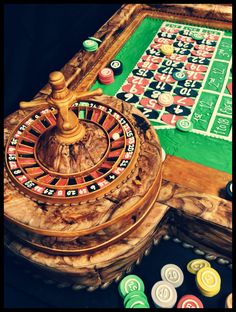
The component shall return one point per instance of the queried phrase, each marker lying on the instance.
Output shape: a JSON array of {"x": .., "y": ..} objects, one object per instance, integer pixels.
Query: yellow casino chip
[
  {"x": 208, "y": 281},
  {"x": 195, "y": 265},
  {"x": 167, "y": 49}
]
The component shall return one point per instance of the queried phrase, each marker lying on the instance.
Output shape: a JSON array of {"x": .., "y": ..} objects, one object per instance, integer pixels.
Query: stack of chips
[
  {"x": 90, "y": 45},
  {"x": 190, "y": 302},
  {"x": 172, "y": 274},
  {"x": 116, "y": 66},
  {"x": 164, "y": 294},
  {"x": 131, "y": 289},
  {"x": 106, "y": 75},
  {"x": 208, "y": 282},
  {"x": 207, "y": 279},
  {"x": 195, "y": 265},
  {"x": 229, "y": 301}
]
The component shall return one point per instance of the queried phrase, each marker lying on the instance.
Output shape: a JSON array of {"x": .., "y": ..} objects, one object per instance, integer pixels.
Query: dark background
[
  {"x": 38, "y": 39},
  {"x": 41, "y": 38}
]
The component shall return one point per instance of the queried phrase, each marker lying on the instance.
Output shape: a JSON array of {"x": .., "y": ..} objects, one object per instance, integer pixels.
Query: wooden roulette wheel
[{"x": 82, "y": 173}]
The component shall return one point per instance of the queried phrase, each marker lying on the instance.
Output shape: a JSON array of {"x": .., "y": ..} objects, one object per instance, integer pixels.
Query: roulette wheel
[{"x": 85, "y": 171}]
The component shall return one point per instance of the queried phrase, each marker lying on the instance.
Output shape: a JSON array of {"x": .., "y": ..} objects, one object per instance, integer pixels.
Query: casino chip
[
  {"x": 106, "y": 76},
  {"x": 173, "y": 274},
  {"x": 95, "y": 39},
  {"x": 179, "y": 76},
  {"x": 130, "y": 283},
  {"x": 229, "y": 301},
  {"x": 195, "y": 265},
  {"x": 197, "y": 36},
  {"x": 137, "y": 302},
  {"x": 184, "y": 125},
  {"x": 208, "y": 282},
  {"x": 165, "y": 99},
  {"x": 90, "y": 45},
  {"x": 116, "y": 66},
  {"x": 136, "y": 294},
  {"x": 229, "y": 189},
  {"x": 167, "y": 49},
  {"x": 164, "y": 295},
  {"x": 190, "y": 301}
]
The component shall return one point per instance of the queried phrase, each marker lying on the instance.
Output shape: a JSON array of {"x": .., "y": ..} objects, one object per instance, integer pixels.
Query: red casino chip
[
  {"x": 184, "y": 38},
  {"x": 106, "y": 75},
  {"x": 164, "y": 78},
  {"x": 152, "y": 59},
  {"x": 192, "y": 75},
  {"x": 177, "y": 57},
  {"x": 150, "y": 103},
  {"x": 204, "y": 47},
  {"x": 138, "y": 80},
  {"x": 201, "y": 53},
  {"x": 196, "y": 67},
  {"x": 183, "y": 100},
  {"x": 133, "y": 88},
  {"x": 163, "y": 40},
  {"x": 147, "y": 65},
  {"x": 189, "y": 301},
  {"x": 170, "y": 119}
]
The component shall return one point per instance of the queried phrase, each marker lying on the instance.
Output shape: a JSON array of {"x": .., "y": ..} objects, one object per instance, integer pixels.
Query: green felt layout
[
  {"x": 131, "y": 52},
  {"x": 212, "y": 114}
]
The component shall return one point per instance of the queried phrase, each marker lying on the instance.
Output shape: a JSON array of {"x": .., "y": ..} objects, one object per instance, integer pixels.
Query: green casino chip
[
  {"x": 184, "y": 125},
  {"x": 95, "y": 39},
  {"x": 90, "y": 45},
  {"x": 180, "y": 76},
  {"x": 197, "y": 36},
  {"x": 130, "y": 283},
  {"x": 137, "y": 302},
  {"x": 136, "y": 294}
]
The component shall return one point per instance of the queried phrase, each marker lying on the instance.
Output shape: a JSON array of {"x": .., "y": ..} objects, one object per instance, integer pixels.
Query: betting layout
[
  {"x": 27, "y": 171},
  {"x": 197, "y": 74}
]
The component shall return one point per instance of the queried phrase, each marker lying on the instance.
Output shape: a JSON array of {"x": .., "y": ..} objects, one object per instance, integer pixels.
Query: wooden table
[{"x": 192, "y": 197}]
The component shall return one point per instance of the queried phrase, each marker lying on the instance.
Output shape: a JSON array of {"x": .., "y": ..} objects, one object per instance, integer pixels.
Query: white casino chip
[
  {"x": 164, "y": 295},
  {"x": 173, "y": 274}
]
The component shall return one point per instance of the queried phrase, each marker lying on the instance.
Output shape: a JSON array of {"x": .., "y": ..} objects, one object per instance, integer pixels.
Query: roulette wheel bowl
[{"x": 83, "y": 171}]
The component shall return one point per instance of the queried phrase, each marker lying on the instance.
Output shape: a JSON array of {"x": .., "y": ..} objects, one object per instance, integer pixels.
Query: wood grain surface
[{"x": 190, "y": 203}]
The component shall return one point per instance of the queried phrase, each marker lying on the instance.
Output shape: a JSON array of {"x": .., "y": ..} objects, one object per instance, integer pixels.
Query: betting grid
[{"x": 205, "y": 98}]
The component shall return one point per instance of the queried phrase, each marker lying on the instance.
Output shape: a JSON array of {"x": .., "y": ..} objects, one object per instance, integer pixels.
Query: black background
[
  {"x": 41, "y": 38},
  {"x": 38, "y": 39}
]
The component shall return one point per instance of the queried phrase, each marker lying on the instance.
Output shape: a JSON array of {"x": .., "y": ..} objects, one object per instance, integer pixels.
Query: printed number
[
  {"x": 124, "y": 163},
  {"x": 71, "y": 192},
  {"x": 223, "y": 121},
  {"x": 185, "y": 91},
  {"x": 15, "y": 172},
  {"x": 29, "y": 184}
]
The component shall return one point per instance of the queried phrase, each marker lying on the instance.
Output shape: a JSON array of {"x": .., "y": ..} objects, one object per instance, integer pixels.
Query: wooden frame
[{"x": 191, "y": 194}]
